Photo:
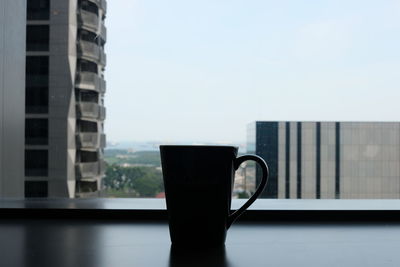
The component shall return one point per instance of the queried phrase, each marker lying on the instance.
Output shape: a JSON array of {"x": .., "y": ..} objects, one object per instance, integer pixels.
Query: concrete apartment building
[
  {"x": 328, "y": 160},
  {"x": 64, "y": 110},
  {"x": 12, "y": 97}
]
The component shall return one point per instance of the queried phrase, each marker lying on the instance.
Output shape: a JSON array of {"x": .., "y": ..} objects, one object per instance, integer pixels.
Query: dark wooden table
[{"x": 57, "y": 243}]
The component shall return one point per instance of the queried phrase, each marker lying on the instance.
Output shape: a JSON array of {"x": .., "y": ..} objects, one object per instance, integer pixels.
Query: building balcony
[
  {"x": 90, "y": 170},
  {"x": 89, "y": 50},
  {"x": 103, "y": 5},
  {"x": 91, "y": 111},
  {"x": 102, "y": 166},
  {"x": 103, "y": 85},
  {"x": 88, "y": 20},
  {"x": 103, "y": 32},
  {"x": 92, "y": 51},
  {"x": 103, "y": 57},
  {"x": 97, "y": 2},
  {"x": 102, "y": 113},
  {"x": 90, "y": 140},
  {"x": 103, "y": 140},
  {"x": 88, "y": 110},
  {"x": 95, "y": 194},
  {"x": 90, "y": 81}
]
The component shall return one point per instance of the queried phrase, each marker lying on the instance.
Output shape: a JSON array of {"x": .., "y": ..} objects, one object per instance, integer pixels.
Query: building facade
[
  {"x": 64, "y": 108},
  {"x": 315, "y": 160},
  {"x": 12, "y": 97}
]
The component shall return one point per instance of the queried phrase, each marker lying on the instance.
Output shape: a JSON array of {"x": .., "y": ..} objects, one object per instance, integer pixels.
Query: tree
[{"x": 139, "y": 181}]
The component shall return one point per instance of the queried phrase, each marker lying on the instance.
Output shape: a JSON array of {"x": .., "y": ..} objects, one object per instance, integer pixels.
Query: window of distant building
[
  {"x": 37, "y": 38},
  {"x": 36, "y": 162},
  {"x": 38, "y": 9},
  {"x": 37, "y": 84},
  {"x": 89, "y": 6},
  {"x": 36, "y": 131},
  {"x": 36, "y": 189},
  {"x": 89, "y": 66},
  {"x": 87, "y": 126}
]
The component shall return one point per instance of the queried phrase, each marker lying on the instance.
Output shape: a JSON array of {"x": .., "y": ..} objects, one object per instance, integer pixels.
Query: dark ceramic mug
[{"x": 198, "y": 183}]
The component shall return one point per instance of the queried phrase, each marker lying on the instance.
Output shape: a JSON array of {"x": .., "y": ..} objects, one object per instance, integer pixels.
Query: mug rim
[{"x": 198, "y": 146}]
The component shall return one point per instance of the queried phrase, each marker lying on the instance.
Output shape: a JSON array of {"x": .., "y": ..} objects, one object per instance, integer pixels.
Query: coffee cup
[{"x": 198, "y": 183}]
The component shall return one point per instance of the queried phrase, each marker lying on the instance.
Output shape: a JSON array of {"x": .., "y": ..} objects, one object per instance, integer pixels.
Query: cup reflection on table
[{"x": 209, "y": 257}]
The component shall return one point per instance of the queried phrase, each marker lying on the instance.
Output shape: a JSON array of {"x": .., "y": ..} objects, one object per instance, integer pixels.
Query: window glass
[
  {"x": 89, "y": 6},
  {"x": 88, "y": 36},
  {"x": 36, "y": 132},
  {"x": 89, "y": 96},
  {"x": 37, "y": 71},
  {"x": 84, "y": 187},
  {"x": 87, "y": 126},
  {"x": 37, "y": 100},
  {"x": 38, "y": 9},
  {"x": 37, "y": 65},
  {"x": 37, "y": 38},
  {"x": 37, "y": 84},
  {"x": 88, "y": 156},
  {"x": 312, "y": 88},
  {"x": 88, "y": 66},
  {"x": 36, "y": 189},
  {"x": 36, "y": 162},
  {"x": 304, "y": 85}
]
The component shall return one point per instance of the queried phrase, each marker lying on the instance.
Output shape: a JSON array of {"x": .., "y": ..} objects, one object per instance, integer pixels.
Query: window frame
[
  {"x": 79, "y": 209},
  {"x": 269, "y": 211}
]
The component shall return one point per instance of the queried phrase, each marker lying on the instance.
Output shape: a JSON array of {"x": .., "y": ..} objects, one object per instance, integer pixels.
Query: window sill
[{"x": 155, "y": 209}]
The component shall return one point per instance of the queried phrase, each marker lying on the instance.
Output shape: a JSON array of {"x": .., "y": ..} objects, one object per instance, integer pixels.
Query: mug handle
[{"x": 265, "y": 173}]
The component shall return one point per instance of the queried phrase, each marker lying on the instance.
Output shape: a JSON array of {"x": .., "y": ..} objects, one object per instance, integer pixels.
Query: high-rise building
[
  {"x": 313, "y": 160},
  {"x": 12, "y": 96},
  {"x": 64, "y": 106}
]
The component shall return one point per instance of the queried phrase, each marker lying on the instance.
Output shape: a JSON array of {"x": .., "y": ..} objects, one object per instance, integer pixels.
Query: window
[
  {"x": 88, "y": 156},
  {"x": 37, "y": 84},
  {"x": 37, "y": 71},
  {"x": 87, "y": 66},
  {"x": 87, "y": 126},
  {"x": 89, "y": 96},
  {"x": 88, "y": 36},
  {"x": 37, "y": 38},
  {"x": 305, "y": 76},
  {"x": 36, "y": 162},
  {"x": 36, "y": 132},
  {"x": 37, "y": 99},
  {"x": 89, "y": 6},
  {"x": 36, "y": 189},
  {"x": 86, "y": 187},
  {"x": 86, "y": 95},
  {"x": 38, "y": 9}
]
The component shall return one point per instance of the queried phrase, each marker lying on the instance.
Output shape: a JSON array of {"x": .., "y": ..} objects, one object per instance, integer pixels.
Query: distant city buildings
[
  {"x": 62, "y": 97},
  {"x": 313, "y": 160}
]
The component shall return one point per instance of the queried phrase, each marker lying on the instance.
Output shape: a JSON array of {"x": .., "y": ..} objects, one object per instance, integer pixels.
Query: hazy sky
[{"x": 202, "y": 70}]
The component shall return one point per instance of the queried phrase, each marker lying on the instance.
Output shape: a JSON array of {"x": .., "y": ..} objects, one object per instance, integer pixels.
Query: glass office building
[{"x": 328, "y": 160}]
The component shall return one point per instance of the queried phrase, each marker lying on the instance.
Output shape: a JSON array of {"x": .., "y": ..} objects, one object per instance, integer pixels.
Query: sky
[{"x": 201, "y": 71}]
